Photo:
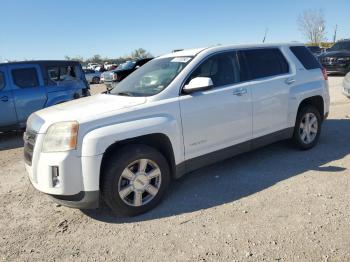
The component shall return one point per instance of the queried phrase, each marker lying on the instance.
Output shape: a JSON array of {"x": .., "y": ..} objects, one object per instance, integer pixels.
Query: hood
[
  {"x": 85, "y": 108},
  {"x": 340, "y": 53}
]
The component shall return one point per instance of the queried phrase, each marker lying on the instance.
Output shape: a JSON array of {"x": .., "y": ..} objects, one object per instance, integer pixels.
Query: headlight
[
  {"x": 61, "y": 136},
  {"x": 343, "y": 59}
]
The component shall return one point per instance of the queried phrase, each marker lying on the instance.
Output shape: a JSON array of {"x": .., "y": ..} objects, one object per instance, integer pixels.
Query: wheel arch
[
  {"x": 159, "y": 141},
  {"x": 316, "y": 101}
]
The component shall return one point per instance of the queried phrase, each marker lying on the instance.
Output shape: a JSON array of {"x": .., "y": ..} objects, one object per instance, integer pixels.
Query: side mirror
[
  {"x": 198, "y": 84},
  {"x": 137, "y": 67}
]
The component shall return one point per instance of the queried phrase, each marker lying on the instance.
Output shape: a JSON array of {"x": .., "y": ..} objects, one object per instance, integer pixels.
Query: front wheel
[
  {"x": 307, "y": 128},
  {"x": 135, "y": 179}
]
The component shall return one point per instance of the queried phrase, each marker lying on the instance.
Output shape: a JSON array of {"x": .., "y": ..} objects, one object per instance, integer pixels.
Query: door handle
[
  {"x": 239, "y": 91},
  {"x": 4, "y": 99},
  {"x": 290, "y": 81}
]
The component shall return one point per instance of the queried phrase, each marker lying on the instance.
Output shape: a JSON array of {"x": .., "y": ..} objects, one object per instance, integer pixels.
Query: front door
[
  {"x": 7, "y": 106},
  {"x": 28, "y": 89},
  {"x": 220, "y": 117}
]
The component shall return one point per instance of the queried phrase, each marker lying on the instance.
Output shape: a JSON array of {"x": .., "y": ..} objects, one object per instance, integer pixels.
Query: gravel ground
[{"x": 273, "y": 204}]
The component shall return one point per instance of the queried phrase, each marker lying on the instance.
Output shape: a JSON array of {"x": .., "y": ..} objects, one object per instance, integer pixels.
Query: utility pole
[
  {"x": 335, "y": 33},
  {"x": 264, "y": 39}
]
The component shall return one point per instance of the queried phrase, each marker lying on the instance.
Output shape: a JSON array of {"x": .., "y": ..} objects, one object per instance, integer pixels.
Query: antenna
[
  {"x": 335, "y": 33},
  {"x": 264, "y": 39}
]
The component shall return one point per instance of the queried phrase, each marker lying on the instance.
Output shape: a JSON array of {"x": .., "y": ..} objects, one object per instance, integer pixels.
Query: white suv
[{"x": 177, "y": 113}]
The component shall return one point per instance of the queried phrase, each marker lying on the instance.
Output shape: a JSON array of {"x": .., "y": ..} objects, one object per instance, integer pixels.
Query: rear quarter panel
[{"x": 308, "y": 83}]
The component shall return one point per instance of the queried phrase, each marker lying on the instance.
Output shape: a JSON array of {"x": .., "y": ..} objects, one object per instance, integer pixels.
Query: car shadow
[
  {"x": 11, "y": 140},
  {"x": 244, "y": 175}
]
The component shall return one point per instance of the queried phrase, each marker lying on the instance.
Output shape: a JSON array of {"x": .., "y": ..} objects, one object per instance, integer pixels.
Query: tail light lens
[
  {"x": 115, "y": 77},
  {"x": 324, "y": 72}
]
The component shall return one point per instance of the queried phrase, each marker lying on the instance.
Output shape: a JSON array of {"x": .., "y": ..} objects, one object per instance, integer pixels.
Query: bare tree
[
  {"x": 312, "y": 25},
  {"x": 140, "y": 53}
]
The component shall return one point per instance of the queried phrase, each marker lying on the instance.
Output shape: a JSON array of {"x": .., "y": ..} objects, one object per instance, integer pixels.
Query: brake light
[
  {"x": 115, "y": 77},
  {"x": 324, "y": 72}
]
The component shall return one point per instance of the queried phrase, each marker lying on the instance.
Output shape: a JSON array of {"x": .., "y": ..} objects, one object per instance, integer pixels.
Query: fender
[
  {"x": 300, "y": 93},
  {"x": 98, "y": 140},
  {"x": 58, "y": 99}
]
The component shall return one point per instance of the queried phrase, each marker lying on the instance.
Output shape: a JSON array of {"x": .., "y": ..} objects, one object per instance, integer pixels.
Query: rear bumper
[
  {"x": 346, "y": 88},
  {"x": 325, "y": 116}
]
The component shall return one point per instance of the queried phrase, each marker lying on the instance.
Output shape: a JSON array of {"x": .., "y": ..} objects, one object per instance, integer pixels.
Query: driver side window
[{"x": 223, "y": 69}]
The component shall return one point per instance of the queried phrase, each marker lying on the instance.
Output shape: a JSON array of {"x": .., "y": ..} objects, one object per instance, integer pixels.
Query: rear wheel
[
  {"x": 307, "y": 128},
  {"x": 135, "y": 180}
]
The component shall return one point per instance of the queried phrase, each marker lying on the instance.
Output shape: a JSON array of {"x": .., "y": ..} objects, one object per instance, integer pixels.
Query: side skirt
[{"x": 222, "y": 154}]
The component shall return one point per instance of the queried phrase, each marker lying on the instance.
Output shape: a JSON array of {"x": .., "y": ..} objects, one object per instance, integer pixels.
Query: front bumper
[
  {"x": 78, "y": 177},
  {"x": 82, "y": 200},
  {"x": 337, "y": 68}
]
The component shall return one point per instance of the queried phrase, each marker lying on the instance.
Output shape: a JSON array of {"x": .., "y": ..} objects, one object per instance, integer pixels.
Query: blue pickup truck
[{"x": 26, "y": 87}]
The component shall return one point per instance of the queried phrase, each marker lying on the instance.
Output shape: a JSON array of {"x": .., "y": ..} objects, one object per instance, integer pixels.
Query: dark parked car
[
  {"x": 337, "y": 58},
  {"x": 26, "y": 87},
  {"x": 122, "y": 71}
]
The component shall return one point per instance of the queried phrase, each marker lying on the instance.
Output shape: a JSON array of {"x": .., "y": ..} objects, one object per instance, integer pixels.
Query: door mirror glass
[{"x": 198, "y": 84}]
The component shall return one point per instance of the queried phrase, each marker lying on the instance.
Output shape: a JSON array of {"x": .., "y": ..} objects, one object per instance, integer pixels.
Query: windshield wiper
[{"x": 124, "y": 94}]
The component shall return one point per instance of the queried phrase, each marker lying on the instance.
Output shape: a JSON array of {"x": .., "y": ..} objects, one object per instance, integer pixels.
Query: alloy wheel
[
  {"x": 308, "y": 128},
  {"x": 139, "y": 182}
]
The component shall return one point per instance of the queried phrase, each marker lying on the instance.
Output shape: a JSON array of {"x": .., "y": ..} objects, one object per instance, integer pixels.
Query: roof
[
  {"x": 194, "y": 52},
  {"x": 41, "y": 62}
]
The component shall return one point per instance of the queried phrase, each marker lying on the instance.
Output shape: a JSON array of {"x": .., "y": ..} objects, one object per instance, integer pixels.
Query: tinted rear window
[
  {"x": 25, "y": 77},
  {"x": 265, "y": 62},
  {"x": 305, "y": 57},
  {"x": 2, "y": 80}
]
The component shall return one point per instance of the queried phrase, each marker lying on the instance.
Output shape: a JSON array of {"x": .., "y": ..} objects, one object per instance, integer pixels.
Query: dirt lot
[{"x": 273, "y": 204}]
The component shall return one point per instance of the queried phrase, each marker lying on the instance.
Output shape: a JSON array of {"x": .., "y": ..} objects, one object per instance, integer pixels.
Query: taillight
[
  {"x": 115, "y": 77},
  {"x": 324, "y": 72}
]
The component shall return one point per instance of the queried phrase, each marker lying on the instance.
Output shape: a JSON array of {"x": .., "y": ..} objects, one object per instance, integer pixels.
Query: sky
[{"x": 41, "y": 29}]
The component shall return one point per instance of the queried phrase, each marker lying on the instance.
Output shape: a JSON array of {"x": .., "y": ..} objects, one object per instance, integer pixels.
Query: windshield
[
  {"x": 340, "y": 46},
  {"x": 127, "y": 65},
  {"x": 151, "y": 78},
  {"x": 314, "y": 48}
]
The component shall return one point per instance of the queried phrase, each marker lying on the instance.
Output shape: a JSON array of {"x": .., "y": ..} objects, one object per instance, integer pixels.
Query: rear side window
[
  {"x": 264, "y": 62},
  {"x": 2, "y": 80},
  {"x": 25, "y": 77},
  {"x": 305, "y": 57},
  {"x": 63, "y": 73}
]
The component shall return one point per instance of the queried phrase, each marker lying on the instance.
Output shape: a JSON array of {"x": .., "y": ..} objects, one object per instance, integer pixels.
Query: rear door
[
  {"x": 270, "y": 81},
  {"x": 7, "y": 105},
  {"x": 28, "y": 89}
]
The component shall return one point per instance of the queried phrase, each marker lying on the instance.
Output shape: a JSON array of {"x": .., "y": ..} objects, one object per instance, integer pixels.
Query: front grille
[
  {"x": 329, "y": 60},
  {"x": 29, "y": 138}
]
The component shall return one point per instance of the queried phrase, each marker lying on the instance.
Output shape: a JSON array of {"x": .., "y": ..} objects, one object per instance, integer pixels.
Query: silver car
[
  {"x": 346, "y": 85},
  {"x": 92, "y": 76}
]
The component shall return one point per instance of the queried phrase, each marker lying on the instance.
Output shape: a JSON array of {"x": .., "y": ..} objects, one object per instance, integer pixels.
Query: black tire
[
  {"x": 297, "y": 135},
  {"x": 96, "y": 80},
  {"x": 112, "y": 171}
]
